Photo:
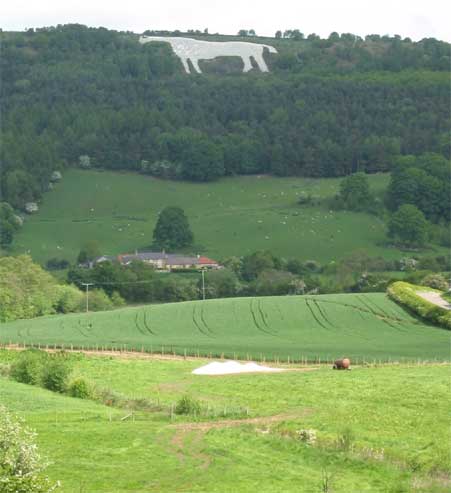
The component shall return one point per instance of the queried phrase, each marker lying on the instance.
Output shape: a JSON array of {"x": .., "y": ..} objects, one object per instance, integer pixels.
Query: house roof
[
  {"x": 169, "y": 258},
  {"x": 206, "y": 261}
]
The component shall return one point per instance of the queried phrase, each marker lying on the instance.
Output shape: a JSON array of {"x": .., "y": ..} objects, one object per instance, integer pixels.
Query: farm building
[{"x": 163, "y": 261}]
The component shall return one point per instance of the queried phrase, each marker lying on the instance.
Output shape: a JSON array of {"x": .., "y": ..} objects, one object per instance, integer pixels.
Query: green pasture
[
  {"x": 396, "y": 418},
  {"x": 234, "y": 216},
  {"x": 362, "y": 326}
]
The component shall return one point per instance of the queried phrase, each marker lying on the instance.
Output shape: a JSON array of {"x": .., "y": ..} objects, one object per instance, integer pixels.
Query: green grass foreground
[
  {"x": 396, "y": 418},
  {"x": 234, "y": 216},
  {"x": 360, "y": 326}
]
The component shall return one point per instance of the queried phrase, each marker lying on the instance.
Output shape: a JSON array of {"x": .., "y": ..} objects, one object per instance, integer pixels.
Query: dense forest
[{"x": 78, "y": 96}]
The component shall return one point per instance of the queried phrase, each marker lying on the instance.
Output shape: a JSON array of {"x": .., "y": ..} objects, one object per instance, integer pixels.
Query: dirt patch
[
  {"x": 187, "y": 440},
  {"x": 229, "y": 423}
]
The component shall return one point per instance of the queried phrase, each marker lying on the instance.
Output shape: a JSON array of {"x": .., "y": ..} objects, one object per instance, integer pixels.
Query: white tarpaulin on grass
[{"x": 231, "y": 367}]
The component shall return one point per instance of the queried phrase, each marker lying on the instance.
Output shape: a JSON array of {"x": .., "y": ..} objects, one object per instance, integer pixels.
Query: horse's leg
[
  {"x": 195, "y": 63},
  {"x": 261, "y": 62},
  {"x": 185, "y": 64},
  {"x": 247, "y": 63}
]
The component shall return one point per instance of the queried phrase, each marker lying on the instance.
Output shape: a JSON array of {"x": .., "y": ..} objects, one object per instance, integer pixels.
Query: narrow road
[{"x": 434, "y": 298}]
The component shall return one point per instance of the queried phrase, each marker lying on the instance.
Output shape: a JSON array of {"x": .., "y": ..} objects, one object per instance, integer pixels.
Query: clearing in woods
[
  {"x": 234, "y": 216},
  {"x": 363, "y": 326}
]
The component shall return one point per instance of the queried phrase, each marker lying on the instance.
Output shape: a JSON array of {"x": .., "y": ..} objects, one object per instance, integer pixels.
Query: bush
[
  {"x": 5, "y": 370},
  {"x": 98, "y": 301},
  {"x": 28, "y": 367},
  {"x": 80, "y": 389},
  {"x": 117, "y": 300},
  {"x": 346, "y": 440},
  {"x": 188, "y": 405},
  {"x": 69, "y": 299},
  {"x": 406, "y": 294},
  {"x": 55, "y": 375},
  {"x": 435, "y": 281},
  {"x": 57, "y": 264},
  {"x": 20, "y": 463}
]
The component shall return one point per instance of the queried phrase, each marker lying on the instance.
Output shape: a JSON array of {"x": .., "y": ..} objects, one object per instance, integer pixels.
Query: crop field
[
  {"x": 382, "y": 429},
  {"x": 362, "y": 326},
  {"x": 234, "y": 216}
]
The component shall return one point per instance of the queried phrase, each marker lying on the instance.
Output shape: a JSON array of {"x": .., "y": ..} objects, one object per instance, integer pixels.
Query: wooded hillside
[{"x": 329, "y": 107}]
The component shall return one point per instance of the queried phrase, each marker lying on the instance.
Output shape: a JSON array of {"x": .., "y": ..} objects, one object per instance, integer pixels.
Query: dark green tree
[
  {"x": 89, "y": 251},
  {"x": 408, "y": 226},
  {"x": 172, "y": 230},
  {"x": 9, "y": 224},
  {"x": 354, "y": 192}
]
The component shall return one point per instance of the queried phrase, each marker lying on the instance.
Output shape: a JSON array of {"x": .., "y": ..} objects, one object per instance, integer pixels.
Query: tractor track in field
[
  {"x": 371, "y": 311},
  {"x": 323, "y": 314},
  {"x": 318, "y": 321},
  {"x": 148, "y": 326},
  {"x": 264, "y": 316},
  {"x": 401, "y": 323},
  {"x": 198, "y": 326},
  {"x": 142, "y": 331},
  {"x": 81, "y": 330},
  {"x": 381, "y": 314},
  {"x": 202, "y": 318},
  {"x": 256, "y": 323}
]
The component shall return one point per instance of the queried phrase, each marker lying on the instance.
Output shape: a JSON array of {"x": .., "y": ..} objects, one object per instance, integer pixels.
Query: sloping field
[
  {"x": 234, "y": 216},
  {"x": 327, "y": 326}
]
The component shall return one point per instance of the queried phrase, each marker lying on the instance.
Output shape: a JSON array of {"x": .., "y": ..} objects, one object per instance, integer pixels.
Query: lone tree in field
[
  {"x": 354, "y": 192},
  {"x": 408, "y": 226},
  {"x": 172, "y": 229},
  {"x": 89, "y": 251}
]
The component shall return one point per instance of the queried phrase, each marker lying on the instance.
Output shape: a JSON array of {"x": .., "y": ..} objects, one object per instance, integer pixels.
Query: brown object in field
[{"x": 342, "y": 364}]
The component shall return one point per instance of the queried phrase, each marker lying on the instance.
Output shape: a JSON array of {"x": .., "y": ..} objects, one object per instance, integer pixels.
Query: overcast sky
[{"x": 413, "y": 18}]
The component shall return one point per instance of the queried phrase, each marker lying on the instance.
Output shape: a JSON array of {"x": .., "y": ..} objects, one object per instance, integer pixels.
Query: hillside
[
  {"x": 362, "y": 326},
  {"x": 398, "y": 438},
  {"x": 235, "y": 216},
  {"x": 328, "y": 107}
]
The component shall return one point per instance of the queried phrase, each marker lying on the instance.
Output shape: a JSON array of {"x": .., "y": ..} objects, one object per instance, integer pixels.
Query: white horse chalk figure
[{"x": 195, "y": 50}]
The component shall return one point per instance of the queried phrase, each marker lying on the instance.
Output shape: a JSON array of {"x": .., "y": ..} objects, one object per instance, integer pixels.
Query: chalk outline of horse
[{"x": 195, "y": 50}]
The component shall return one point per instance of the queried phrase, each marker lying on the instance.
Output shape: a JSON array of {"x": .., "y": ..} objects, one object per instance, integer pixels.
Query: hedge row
[{"x": 406, "y": 294}]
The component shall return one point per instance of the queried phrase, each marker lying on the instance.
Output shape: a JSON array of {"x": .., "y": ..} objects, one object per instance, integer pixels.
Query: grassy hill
[
  {"x": 395, "y": 437},
  {"x": 235, "y": 216},
  {"x": 326, "y": 326}
]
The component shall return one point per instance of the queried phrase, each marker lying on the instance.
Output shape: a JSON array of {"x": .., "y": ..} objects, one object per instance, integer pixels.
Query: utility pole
[
  {"x": 203, "y": 284},
  {"x": 87, "y": 284}
]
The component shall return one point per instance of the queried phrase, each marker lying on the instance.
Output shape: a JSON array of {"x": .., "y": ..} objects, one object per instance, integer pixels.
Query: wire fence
[{"x": 197, "y": 353}]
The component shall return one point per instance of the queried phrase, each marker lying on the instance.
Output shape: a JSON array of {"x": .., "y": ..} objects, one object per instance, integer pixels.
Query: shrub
[
  {"x": 28, "y": 367},
  {"x": 98, "y": 301},
  {"x": 406, "y": 294},
  {"x": 188, "y": 405},
  {"x": 69, "y": 299},
  {"x": 307, "y": 436},
  {"x": 5, "y": 370},
  {"x": 21, "y": 466},
  {"x": 80, "y": 389},
  {"x": 346, "y": 440},
  {"x": 435, "y": 281},
  {"x": 117, "y": 300},
  {"x": 57, "y": 264},
  {"x": 55, "y": 375}
]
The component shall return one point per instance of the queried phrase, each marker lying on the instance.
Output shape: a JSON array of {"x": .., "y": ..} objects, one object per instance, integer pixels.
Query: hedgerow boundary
[{"x": 169, "y": 352}]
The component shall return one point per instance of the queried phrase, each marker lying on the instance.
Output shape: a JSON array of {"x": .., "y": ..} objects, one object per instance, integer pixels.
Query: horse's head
[{"x": 271, "y": 49}]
